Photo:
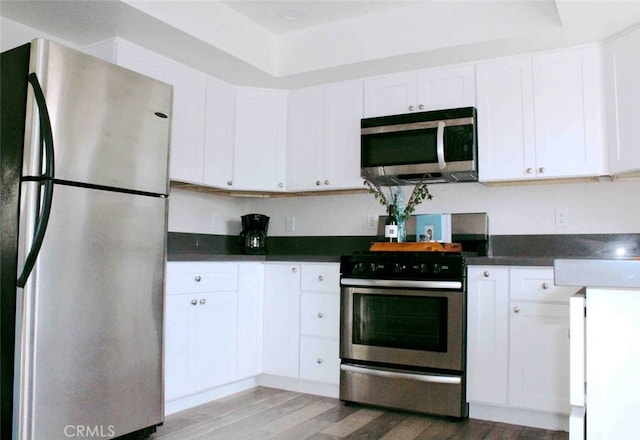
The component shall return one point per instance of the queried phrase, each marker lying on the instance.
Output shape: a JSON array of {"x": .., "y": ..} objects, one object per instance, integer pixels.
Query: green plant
[{"x": 419, "y": 193}]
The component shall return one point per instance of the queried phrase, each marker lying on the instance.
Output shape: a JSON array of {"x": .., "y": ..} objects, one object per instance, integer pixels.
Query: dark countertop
[{"x": 504, "y": 250}]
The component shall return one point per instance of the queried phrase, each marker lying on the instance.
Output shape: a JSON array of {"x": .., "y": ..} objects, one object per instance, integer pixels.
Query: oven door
[{"x": 404, "y": 326}]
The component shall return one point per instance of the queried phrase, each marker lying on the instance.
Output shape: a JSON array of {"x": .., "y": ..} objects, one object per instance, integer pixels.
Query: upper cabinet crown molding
[
  {"x": 540, "y": 116},
  {"x": 423, "y": 90}
]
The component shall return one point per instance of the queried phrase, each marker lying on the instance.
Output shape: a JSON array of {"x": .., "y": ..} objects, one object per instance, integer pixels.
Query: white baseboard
[
  {"x": 187, "y": 402},
  {"x": 513, "y": 416},
  {"x": 299, "y": 385}
]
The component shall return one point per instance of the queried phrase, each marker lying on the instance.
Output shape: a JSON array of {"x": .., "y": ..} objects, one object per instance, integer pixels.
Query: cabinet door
[
  {"x": 178, "y": 361},
  {"x": 506, "y": 138},
  {"x": 250, "y": 286},
  {"x": 306, "y": 139},
  {"x": 487, "y": 334},
  {"x": 569, "y": 122},
  {"x": 281, "y": 319},
  {"x": 341, "y": 146},
  {"x": 390, "y": 95},
  {"x": 219, "y": 132},
  {"x": 260, "y": 154},
  {"x": 320, "y": 315},
  {"x": 187, "y": 130},
  {"x": 449, "y": 87},
  {"x": 622, "y": 64},
  {"x": 539, "y": 357}
]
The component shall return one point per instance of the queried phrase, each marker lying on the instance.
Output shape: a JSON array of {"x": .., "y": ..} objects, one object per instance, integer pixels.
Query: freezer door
[
  {"x": 92, "y": 311},
  {"x": 110, "y": 125}
]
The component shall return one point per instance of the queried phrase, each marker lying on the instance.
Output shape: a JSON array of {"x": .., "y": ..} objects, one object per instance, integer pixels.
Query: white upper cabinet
[
  {"x": 261, "y": 139},
  {"x": 415, "y": 91},
  {"x": 219, "y": 134},
  {"x": 187, "y": 129},
  {"x": 540, "y": 116},
  {"x": 622, "y": 64},
  {"x": 324, "y": 137},
  {"x": 188, "y": 118}
]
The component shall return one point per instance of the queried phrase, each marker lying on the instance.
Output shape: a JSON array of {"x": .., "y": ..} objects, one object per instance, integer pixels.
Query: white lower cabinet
[
  {"x": 213, "y": 331},
  {"x": 301, "y": 321},
  {"x": 281, "y": 329},
  {"x": 518, "y": 341}
]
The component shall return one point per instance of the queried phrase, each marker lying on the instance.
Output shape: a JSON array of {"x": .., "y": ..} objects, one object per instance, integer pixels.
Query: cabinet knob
[
  {"x": 320, "y": 315},
  {"x": 541, "y": 169},
  {"x": 294, "y": 269},
  {"x": 280, "y": 184},
  {"x": 202, "y": 301},
  {"x": 516, "y": 309},
  {"x": 410, "y": 108},
  {"x": 320, "y": 278},
  {"x": 529, "y": 170},
  {"x": 230, "y": 182},
  {"x": 194, "y": 302},
  {"x": 198, "y": 278},
  {"x": 319, "y": 361},
  {"x": 421, "y": 107},
  {"x": 486, "y": 274},
  {"x": 318, "y": 183},
  {"x": 326, "y": 182},
  {"x": 545, "y": 286}
]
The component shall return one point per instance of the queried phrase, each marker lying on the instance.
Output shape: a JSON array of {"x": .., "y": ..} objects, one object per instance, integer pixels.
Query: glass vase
[{"x": 402, "y": 231}]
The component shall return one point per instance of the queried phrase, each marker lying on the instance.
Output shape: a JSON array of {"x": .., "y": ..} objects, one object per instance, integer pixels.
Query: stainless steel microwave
[{"x": 437, "y": 146}]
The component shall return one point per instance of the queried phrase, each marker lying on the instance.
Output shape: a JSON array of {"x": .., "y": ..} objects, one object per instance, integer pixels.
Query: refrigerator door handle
[
  {"x": 46, "y": 132},
  {"x": 45, "y": 179}
]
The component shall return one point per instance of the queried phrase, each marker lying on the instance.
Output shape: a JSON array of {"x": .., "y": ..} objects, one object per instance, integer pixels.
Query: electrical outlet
[
  {"x": 290, "y": 225},
  {"x": 372, "y": 222},
  {"x": 562, "y": 217}
]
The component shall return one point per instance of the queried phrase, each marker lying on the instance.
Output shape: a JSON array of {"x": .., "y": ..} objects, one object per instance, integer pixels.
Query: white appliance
[
  {"x": 85, "y": 148},
  {"x": 577, "y": 362}
]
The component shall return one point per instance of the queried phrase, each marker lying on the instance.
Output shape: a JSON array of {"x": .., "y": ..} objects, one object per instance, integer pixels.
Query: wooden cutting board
[{"x": 383, "y": 246}]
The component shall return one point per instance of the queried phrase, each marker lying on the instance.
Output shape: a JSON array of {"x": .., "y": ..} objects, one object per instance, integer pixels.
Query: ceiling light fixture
[{"x": 290, "y": 14}]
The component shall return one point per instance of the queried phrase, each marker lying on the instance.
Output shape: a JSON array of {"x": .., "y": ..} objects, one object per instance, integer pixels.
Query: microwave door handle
[{"x": 440, "y": 145}]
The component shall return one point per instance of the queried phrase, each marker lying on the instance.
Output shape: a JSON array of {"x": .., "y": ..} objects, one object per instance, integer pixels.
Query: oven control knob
[
  {"x": 373, "y": 267},
  {"x": 437, "y": 268},
  {"x": 358, "y": 268},
  {"x": 424, "y": 268}
]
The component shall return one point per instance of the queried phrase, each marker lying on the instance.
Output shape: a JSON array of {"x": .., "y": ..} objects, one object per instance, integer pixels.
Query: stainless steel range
[{"x": 403, "y": 329}]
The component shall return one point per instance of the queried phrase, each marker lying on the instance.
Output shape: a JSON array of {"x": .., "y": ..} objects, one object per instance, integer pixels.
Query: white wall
[
  {"x": 14, "y": 34},
  {"x": 602, "y": 207}
]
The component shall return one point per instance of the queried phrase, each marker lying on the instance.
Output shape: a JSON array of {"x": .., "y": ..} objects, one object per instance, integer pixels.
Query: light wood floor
[{"x": 266, "y": 413}]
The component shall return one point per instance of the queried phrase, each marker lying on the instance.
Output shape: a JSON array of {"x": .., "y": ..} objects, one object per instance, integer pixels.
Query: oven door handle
[
  {"x": 419, "y": 284},
  {"x": 432, "y": 378}
]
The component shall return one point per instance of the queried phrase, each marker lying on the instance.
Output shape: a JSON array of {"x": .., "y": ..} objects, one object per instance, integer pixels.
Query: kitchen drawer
[
  {"x": 536, "y": 284},
  {"x": 320, "y": 315},
  {"x": 320, "y": 277},
  {"x": 319, "y": 360},
  {"x": 183, "y": 277}
]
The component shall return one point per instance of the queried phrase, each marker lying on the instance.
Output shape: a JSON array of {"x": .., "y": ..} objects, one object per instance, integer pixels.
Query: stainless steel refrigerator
[{"x": 84, "y": 148}]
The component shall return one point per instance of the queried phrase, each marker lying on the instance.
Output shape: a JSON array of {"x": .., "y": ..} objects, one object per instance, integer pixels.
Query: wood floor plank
[
  {"x": 271, "y": 414},
  {"x": 352, "y": 423},
  {"x": 472, "y": 429},
  {"x": 503, "y": 431},
  {"x": 379, "y": 426},
  {"x": 300, "y": 416}
]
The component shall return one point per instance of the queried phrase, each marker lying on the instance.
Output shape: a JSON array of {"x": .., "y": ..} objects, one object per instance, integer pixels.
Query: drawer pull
[
  {"x": 294, "y": 269},
  {"x": 198, "y": 278},
  {"x": 320, "y": 278},
  {"x": 320, "y": 315},
  {"x": 545, "y": 286},
  {"x": 516, "y": 309},
  {"x": 486, "y": 274},
  {"x": 194, "y": 302},
  {"x": 319, "y": 361},
  {"x": 202, "y": 301}
]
